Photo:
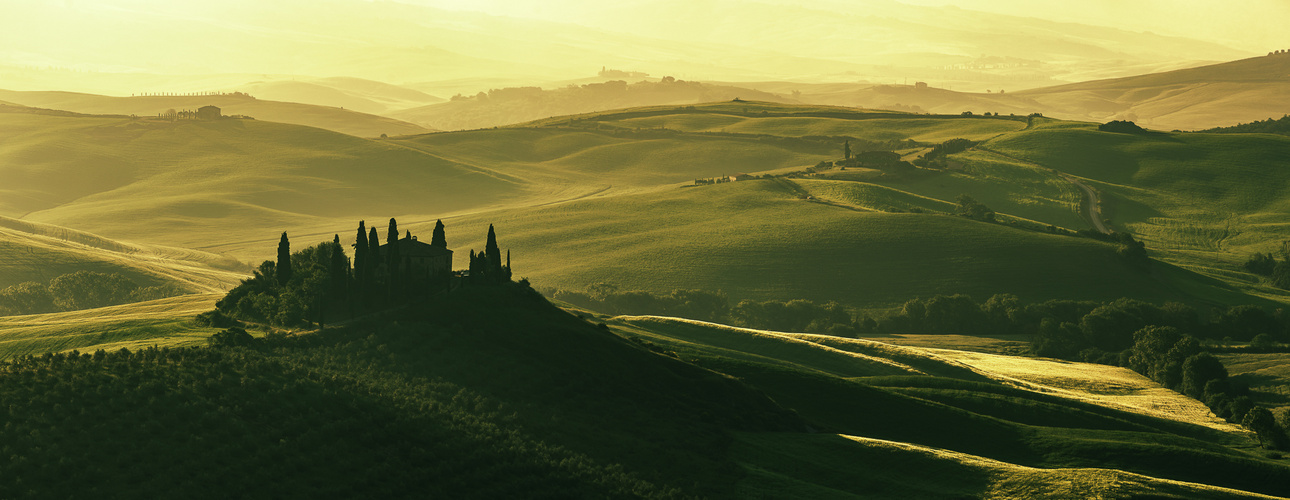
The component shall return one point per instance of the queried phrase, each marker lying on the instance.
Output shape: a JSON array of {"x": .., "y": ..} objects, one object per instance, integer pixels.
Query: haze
[{"x": 123, "y": 47}]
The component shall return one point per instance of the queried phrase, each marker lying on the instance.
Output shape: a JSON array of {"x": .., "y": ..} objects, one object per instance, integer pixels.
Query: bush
[
  {"x": 216, "y": 318},
  {"x": 232, "y": 337},
  {"x": 1121, "y": 127},
  {"x": 1261, "y": 264}
]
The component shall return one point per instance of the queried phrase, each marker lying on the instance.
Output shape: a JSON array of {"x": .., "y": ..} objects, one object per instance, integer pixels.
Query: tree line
[{"x": 76, "y": 291}]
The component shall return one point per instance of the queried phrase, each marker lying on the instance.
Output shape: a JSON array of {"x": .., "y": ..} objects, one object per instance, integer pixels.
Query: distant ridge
[{"x": 334, "y": 119}]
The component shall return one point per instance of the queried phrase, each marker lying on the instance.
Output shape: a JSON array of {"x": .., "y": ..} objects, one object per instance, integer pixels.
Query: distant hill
[
  {"x": 499, "y": 107},
  {"x": 1195, "y": 98},
  {"x": 365, "y": 96},
  {"x": 39, "y": 252},
  {"x": 1278, "y": 126},
  {"x": 330, "y": 118},
  {"x": 192, "y": 183},
  {"x": 1189, "y": 99}
]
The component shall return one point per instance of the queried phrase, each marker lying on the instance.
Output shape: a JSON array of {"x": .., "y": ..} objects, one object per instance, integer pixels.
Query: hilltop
[
  {"x": 506, "y": 106},
  {"x": 325, "y": 117}
]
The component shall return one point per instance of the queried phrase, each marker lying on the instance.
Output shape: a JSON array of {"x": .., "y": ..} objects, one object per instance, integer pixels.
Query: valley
[{"x": 747, "y": 288}]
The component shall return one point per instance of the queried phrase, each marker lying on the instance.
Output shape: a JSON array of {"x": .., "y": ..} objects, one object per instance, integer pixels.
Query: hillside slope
[
  {"x": 492, "y": 392},
  {"x": 761, "y": 240},
  {"x": 1189, "y": 99},
  {"x": 38, "y": 252},
  {"x": 324, "y": 117},
  {"x": 508, "y": 106},
  {"x": 212, "y": 182}
]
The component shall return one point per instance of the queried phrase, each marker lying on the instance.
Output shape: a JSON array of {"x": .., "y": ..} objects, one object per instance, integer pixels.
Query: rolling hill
[
  {"x": 507, "y": 106},
  {"x": 1206, "y": 201},
  {"x": 1194, "y": 98},
  {"x": 326, "y": 117},
  {"x": 1189, "y": 99},
  {"x": 493, "y": 392},
  {"x": 190, "y": 184},
  {"x": 595, "y": 198},
  {"x": 39, "y": 252}
]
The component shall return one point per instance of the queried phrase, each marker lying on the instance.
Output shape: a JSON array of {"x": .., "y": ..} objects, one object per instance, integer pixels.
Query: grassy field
[
  {"x": 923, "y": 129},
  {"x": 591, "y": 204},
  {"x": 973, "y": 424},
  {"x": 760, "y": 240},
  {"x": 39, "y": 252},
  {"x": 162, "y": 323},
  {"x": 1204, "y": 201}
]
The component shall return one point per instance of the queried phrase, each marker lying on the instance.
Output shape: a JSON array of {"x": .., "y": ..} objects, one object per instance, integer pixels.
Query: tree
[
  {"x": 846, "y": 150},
  {"x": 1198, "y": 370},
  {"x": 88, "y": 289},
  {"x": 972, "y": 209},
  {"x": 28, "y": 298},
  {"x": 437, "y": 239},
  {"x": 1264, "y": 425},
  {"x": 1281, "y": 275},
  {"x": 339, "y": 269},
  {"x": 361, "y": 260},
  {"x": 1261, "y": 264},
  {"x": 494, "y": 256},
  {"x": 1132, "y": 250},
  {"x": 284, "y": 260},
  {"x": 392, "y": 257},
  {"x": 373, "y": 263},
  {"x": 1263, "y": 343}
]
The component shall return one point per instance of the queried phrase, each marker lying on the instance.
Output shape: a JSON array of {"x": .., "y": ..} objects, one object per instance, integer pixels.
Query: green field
[
  {"x": 161, "y": 323},
  {"x": 584, "y": 204},
  {"x": 1203, "y": 201},
  {"x": 758, "y": 239},
  {"x": 991, "y": 420}
]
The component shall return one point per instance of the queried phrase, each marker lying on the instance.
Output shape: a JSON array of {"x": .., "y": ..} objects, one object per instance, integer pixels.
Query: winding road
[{"x": 1092, "y": 204}]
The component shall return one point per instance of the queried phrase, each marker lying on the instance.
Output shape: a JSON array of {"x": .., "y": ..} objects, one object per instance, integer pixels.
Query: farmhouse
[
  {"x": 420, "y": 259},
  {"x": 208, "y": 113}
]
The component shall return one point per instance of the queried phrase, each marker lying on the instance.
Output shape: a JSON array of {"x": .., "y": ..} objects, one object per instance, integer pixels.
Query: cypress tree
[
  {"x": 392, "y": 256},
  {"x": 437, "y": 239},
  {"x": 494, "y": 255},
  {"x": 846, "y": 150},
  {"x": 373, "y": 260},
  {"x": 339, "y": 269},
  {"x": 360, "y": 257},
  {"x": 284, "y": 260}
]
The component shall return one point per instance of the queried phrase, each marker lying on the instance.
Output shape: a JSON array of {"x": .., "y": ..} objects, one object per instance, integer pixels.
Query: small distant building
[
  {"x": 740, "y": 177},
  {"x": 920, "y": 85},
  {"x": 208, "y": 113},
  {"x": 421, "y": 260}
]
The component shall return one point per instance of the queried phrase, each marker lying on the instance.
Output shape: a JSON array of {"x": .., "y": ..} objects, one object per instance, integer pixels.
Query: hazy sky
[
  {"x": 1027, "y": 43},
  {"x": 1243, "y": 24}
]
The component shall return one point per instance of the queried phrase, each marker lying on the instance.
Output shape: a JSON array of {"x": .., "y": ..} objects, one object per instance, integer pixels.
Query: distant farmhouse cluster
[
  {"x": 1279, "y": 52},
  {"x": 202, "y": 113},
  {"x": 191, "y": 94},
  {"x": 306, "y": 286}
]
